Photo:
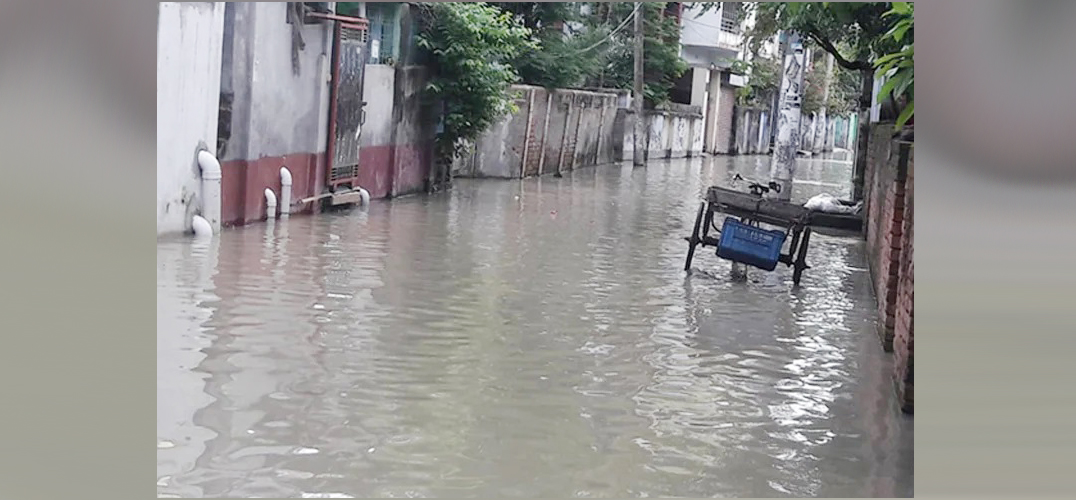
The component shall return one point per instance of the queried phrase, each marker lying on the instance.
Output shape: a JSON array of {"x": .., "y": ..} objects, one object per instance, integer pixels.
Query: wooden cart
[{"x": 753, "y": 209}]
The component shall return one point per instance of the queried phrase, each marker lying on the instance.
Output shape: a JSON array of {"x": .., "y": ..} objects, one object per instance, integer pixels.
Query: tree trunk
[
  {"x": 783, "y": 165},
  {"x": 862, "y": 135}
]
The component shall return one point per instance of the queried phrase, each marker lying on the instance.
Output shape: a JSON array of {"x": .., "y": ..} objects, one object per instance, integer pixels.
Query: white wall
[
  {"x": 378, "y": 87},
  {"x": 188, "y": 91},
  {"x": 703, "y": 30}
]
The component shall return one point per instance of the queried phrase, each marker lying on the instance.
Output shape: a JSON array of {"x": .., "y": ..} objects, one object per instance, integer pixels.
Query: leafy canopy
[
  {"x": 899, "y": 66},
  {"x": 470, "y": 47},
  {"x": 561, "y": 59},
  {"x": 861, "y": 36},
  {"x": 662, "y": 65}
]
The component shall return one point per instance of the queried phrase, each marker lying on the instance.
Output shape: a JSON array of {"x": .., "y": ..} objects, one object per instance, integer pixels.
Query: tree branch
[{"x": 837, "y": 57}]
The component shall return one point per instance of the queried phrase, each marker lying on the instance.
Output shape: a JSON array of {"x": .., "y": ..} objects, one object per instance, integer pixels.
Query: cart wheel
[
  {"x": 801, "y": 257},
  {"x": 694, "y": 241}
]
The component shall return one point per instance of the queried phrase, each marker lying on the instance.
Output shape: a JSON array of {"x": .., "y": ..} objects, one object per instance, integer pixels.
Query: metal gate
[{"x": 347, "y": 112}]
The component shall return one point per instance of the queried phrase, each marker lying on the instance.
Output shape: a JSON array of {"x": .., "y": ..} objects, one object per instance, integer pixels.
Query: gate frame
[{"x": 342, "y": 22}]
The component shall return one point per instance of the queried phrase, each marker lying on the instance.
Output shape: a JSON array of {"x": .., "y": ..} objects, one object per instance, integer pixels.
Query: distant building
[{"x": 710, "y": 43}]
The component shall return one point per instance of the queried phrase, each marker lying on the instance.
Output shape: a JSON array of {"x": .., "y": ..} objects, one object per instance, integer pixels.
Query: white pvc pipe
[
  {"x": 285, "y": 191},
  {"x": 210, "y": 169},
  {"x": 270, "y": 204},
  {"x": 202, "y": 228},
  {"x": 364, "y": 195}
]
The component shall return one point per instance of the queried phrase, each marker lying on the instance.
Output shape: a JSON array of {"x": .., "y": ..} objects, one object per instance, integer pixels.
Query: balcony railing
[{"x": 729, "y": 39}]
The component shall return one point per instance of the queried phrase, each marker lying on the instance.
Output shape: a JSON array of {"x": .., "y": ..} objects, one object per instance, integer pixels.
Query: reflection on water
[{"x": 534, "y": 338}]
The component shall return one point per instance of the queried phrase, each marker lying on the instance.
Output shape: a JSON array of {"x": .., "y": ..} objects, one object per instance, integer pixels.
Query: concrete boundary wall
[
  {"x": 673, "y": 131},
  {"x": 560, "y": 130},
  {"x": 396, "y": 145},
  {"x": 752, "y": 131},
  {"x": 553, "y": 131}
]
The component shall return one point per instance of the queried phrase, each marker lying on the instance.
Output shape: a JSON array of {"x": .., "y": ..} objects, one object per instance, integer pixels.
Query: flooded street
[{"x": 533, "y": 338}]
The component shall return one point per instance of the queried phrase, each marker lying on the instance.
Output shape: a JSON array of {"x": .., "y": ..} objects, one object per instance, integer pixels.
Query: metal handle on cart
[{"x": 758, "y": 189}]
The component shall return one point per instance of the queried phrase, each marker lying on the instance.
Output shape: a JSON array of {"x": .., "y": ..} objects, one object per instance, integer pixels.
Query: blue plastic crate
[{"x": 750, "y": 245}]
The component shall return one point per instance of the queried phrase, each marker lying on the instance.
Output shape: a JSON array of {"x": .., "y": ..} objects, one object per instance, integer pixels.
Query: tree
[
  {"x": 763, "y": 84},
  {"x": 470, "y": 46},
  {"x": 662, "y": 64},
  {"x": 899, "y": 66},
  {"x": 561, "y": 60},
  {"x": 542, "y": 16},
  {"x": 855, "y": 33},
  {"x": 599, "y": 52},
  {"x": 843, "y": 93}
]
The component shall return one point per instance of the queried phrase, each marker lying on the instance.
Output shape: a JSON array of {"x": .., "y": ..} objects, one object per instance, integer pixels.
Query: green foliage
[
  {"x": 860, "y": 35},
  {"x": 662, "y": 64},
  {"x": 564, "y": 62},
  {"x": 560, "y": 61},
  {"x": 541, "y": 16},
  {"x": 600, "y": 54},
  {"x": 470, "y": 46},
  {"x": 764, "y": 80},
  {"x": 899, "y": 67},
  {"x": 844, "y": 89},
  {"x": 851, "y": 31}
]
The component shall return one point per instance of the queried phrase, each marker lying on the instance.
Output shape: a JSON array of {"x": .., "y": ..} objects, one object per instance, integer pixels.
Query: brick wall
[
  {"x": 903, "y": 334},
  {"x": 888, "y": 190},
  {"x": 885, "y": 216}
]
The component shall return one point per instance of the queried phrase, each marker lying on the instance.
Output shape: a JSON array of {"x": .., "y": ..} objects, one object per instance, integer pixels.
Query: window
[
  {"x": 383, "y": 45},
  {"x": 730, "y": 17}
]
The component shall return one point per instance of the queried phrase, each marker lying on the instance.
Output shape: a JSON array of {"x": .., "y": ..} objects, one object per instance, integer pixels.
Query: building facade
[
  {"x": 710, "y": 43},
  {"x": 332, "y": 97}
]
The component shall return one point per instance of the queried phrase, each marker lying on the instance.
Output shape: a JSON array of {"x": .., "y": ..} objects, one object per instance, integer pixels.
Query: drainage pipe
[
  {"x": 285, "y": 191},
  {"x": 365, "y": 196},
  {"x": 270, "y": 204},
  {"x": 210, "y": 169},
  {"x": 202, "y": 228}
]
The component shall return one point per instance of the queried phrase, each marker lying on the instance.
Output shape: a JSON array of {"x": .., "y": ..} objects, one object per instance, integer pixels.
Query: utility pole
[
  {"x": 822, "y": 128},
  {"x": 637, "y": 94},
  {"x": 783, "y": 166},
  {"x": 775, "y": 101}
]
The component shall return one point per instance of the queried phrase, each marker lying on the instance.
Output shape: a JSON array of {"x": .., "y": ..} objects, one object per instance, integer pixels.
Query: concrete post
[
  {"x": 527, "y": 134},
  {"x": 698, "y": 86},
  {"x": 823, "y": 123},
  {"x": 713, "y": 100},
  {"x": 637, "y": 98}
]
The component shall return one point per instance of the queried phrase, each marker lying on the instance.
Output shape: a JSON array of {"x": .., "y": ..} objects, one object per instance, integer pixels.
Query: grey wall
[
  {"x": 276, "y": 112},
  {"x": 751, "y": 131},
  {"x": 673, "y": 131}
]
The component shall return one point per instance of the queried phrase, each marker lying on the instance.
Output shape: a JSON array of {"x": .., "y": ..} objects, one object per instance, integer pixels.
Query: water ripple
[{"x": 534, "y": 338}]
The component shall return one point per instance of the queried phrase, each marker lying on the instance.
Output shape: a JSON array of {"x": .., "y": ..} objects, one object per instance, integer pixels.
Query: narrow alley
[{"x": 533, "y": 337}]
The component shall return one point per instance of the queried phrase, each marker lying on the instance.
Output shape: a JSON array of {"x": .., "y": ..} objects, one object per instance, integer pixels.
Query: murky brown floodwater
[{"x": 534, "y": 338}]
